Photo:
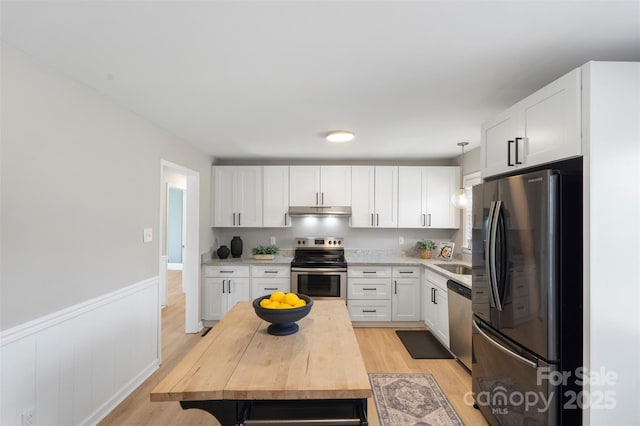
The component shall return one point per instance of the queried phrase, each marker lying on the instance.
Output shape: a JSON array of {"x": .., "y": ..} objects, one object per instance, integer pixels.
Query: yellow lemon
[
  {"x": 273, "y": 305},
  {"x": 300, "y": 303},
  {"x": 277, "y": 296},
  {"x": 291, "y": 298},
  {"x": 265, "y": 303}
]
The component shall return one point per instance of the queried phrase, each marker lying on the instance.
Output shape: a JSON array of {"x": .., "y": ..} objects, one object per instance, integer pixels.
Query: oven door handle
[{"x": 324, "y": 271}]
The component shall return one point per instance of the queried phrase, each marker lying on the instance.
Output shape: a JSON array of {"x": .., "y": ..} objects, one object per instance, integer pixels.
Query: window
[{"x": 468, "y": 182}]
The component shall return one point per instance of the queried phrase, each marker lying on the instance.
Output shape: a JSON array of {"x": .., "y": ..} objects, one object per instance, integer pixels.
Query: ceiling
[{"x": 268, "y": 79}]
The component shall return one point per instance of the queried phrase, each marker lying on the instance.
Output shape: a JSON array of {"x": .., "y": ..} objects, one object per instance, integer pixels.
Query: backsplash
[{"x": 376, "y": 239}]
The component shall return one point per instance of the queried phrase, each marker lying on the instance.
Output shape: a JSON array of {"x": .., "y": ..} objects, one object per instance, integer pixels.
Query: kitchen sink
[{"x": 456, "y": 268}]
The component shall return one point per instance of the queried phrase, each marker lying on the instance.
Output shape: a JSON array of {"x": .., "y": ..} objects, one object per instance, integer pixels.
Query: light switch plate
[
  {"x": 147, "y": 235},
  {"x": 272, "y": 241},
  {"x": 401, "y": 240}
]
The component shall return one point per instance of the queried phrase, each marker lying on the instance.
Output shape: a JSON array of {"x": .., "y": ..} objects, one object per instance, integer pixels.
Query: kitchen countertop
[{"x": 360, "y": 260}]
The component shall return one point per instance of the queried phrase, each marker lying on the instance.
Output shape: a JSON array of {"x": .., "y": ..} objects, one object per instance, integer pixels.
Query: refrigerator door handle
[
  {"x": 489, "y": 250},
  {"x": 503, "y": 349},
  {"x": 493, "y": 273}
]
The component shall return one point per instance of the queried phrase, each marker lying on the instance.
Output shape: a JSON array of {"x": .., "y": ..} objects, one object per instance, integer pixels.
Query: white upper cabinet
[
  {"x": 442, "y": 182},
  {"x": 540, "y": 129},
  {"x": 276, "y": 196},
  {"x": 237, "y": 196},
  {"x": 424, "y": 197},
  {"x": 320, "y": 186},
  {"x": 374, "y": 197}
]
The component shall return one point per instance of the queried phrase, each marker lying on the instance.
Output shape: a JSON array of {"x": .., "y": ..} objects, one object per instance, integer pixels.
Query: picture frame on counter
[{"x": 445, "y": 250}]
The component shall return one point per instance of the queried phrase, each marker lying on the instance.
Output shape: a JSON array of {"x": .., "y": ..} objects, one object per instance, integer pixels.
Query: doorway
[
  {"x": 176, "y": 206},
  {"x": 170, "y": 173}
]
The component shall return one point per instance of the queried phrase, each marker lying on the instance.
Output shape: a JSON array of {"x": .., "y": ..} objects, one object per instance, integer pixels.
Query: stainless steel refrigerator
[{"x": 527, "y": 298}]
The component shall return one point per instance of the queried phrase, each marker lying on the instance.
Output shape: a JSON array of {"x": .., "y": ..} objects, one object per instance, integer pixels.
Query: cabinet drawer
[
  {"x": 406, "y": 272},
  {"x": 226, "y": 271},
  {"x": 363, "y": 288},
  {"x": 370, "y": 310},
  {"x": 270, "y": 271},
  {"x": 265, "y": 286},
  {"x": 437, "y": 279},
  {"x": 369, "y": 271}
]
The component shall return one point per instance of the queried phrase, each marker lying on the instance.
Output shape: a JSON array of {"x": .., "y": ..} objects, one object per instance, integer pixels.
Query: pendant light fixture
[{"x": 459, "y": 198}]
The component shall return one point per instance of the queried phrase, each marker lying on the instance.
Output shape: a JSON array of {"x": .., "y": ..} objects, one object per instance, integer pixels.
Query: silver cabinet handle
[
  {"x": 229, "y": 286},
  {"x": 369, "y": 311},
  {"x": 285, "y": 219},
  {"x": 424, "y": 219},
  {"x": 396, "y": 287},
  {"x": 371, "y": 219},
  {"x": 368, "y": 272},
  {"x": 371, "y": 289},
  {"x": 322, "y": 198},
  {"x": 503, "y": 349},
  {"x": 271, "y": 288},
  {"x": 406, "y": 272},
  {"x": 238, "y": 219},
  {"x": 226, "y": 272},
  {"x": 270, "y": 272},
  {"x": 316, "y": 198},
  {"x": 429, "y": 221},
  {"x": 223, "y": 286},
  {"x": 377, "y": 219},
  {"x": 234, "y": 219}
]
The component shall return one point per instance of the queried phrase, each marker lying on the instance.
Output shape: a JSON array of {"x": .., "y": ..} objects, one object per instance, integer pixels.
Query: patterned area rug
[{"x": 411, "y": 399}]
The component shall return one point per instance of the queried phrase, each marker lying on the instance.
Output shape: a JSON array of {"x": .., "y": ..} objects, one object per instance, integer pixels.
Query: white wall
[
  {"x": 79, "y": 182},
  {"x": 611, "y": 108}
]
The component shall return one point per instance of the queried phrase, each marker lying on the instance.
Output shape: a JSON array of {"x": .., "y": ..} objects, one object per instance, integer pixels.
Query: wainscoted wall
[{"x": 74, "y": 366}]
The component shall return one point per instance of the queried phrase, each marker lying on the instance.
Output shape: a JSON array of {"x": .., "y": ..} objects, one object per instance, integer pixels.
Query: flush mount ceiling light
[
  {"x": 459, "y": 198},
  {"x": 340, "y": 136}
]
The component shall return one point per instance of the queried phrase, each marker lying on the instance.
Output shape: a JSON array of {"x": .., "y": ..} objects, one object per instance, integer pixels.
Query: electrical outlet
[
  {"x": 147, "y": 235},
  {"x": 272, "y": 241},
  {"x": 401, "y": 240},
  {"x": 29, "y": 417}
]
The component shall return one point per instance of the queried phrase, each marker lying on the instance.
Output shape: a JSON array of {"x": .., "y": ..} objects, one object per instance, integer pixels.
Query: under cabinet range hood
[{"x": 319, "y": 211}]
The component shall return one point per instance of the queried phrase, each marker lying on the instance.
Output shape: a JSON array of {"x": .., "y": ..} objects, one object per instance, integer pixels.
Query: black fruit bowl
[{"x": 283, "y": 321}]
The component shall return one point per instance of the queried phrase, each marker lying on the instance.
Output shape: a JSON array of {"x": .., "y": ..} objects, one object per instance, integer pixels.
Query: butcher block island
[{"x": 241, "y": 374}]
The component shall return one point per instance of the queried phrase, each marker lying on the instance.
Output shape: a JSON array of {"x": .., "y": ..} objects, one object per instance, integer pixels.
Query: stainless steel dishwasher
[{"x": 460, "y": 321}]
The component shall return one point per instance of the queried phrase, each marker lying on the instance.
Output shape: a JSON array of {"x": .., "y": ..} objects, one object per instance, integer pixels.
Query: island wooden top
[{"x": 239, "y": 360}]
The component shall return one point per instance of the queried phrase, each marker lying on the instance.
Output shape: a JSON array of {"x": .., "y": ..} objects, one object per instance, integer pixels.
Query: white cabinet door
[
  {"x": 335, "y": 185},
  {"x": 497, "y": 154},
  {"x": 304, "y": 185},
  {"x": 237, "y": 291},
  {"x": 441, "y": 183},
  {"x": 214, "y": 300},
  {"x": 223, "y": 179},
  {"x": 237, "y": 196},
  {"x": 276, "y": 196},
  {"x": 412, "y": 201},
  {"x": 249, "y": 196},
  {"x": 363, "y": 196},
  {"x": 386, "y": 197},
  {"x": 551, "y": 122},
  {"x": 405, "y": 301},
  {"x": 442, "y": 307}
]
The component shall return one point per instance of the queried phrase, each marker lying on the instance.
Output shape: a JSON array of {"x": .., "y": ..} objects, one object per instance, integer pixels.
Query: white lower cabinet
[
  {"x": 369, "y": 293},
  {"x": 267, "y": 279},
  {"x": 436, "y": 305},
  {"x": 224, "y": 286},
  {"x": 383, "y": 293},
  {"x": 405, "y": 300}
]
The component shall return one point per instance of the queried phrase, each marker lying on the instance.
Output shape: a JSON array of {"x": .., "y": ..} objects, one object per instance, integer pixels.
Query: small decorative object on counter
[
  {"x": 446, "y": 250},
  {"x": 425, "y": 247},
  {"x": 265, "y": 252},
  {"x": 236, "y": 247},
  {"x": 223, "y": 252}
]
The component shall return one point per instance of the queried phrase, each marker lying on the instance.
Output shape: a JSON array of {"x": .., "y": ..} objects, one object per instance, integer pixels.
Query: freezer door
[
  {"x": 521, "y": 267},
  {"x": 509, "y": 385}
]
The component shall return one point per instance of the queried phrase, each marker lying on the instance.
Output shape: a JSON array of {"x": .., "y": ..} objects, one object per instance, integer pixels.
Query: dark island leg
[{"x": 225, "y": 411}]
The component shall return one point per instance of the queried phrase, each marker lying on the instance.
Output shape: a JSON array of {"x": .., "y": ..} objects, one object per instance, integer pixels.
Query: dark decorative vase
[
  {"x": 236, "y": 247},
  {"x": 223, "y": 252}
]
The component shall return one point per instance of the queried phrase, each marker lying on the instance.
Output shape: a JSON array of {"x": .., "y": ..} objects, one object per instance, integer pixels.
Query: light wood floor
[{"x": 381, "y": 349}]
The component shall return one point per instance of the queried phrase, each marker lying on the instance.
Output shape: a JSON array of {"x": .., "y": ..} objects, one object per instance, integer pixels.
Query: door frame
[{"x": 191, "y": 259}]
